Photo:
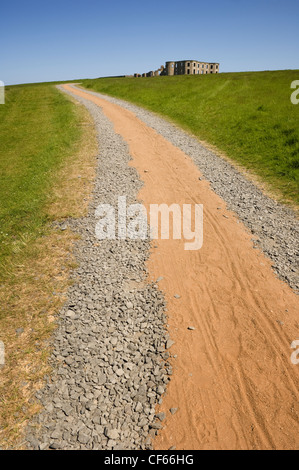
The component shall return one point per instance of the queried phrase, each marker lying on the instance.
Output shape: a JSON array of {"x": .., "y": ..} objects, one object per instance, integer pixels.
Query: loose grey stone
[
  {"x": 101, "y": 378},
  {"x": 83, "y": 438},
  {"x": 55, "y": 446},
  {"x": 161, "y": 416},
  {"x": 156, "y": 425},
  {"x": 70, "y": 314},
  {"x": 112, "y": 433},
  {"x": 44, "y": 446}
]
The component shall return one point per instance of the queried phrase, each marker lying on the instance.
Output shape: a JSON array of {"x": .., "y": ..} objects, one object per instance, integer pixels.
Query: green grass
[
  {"x": 38, "y": 129},
  {"x": 46, "y": 143},
  {"x": 248, "y": 116}
]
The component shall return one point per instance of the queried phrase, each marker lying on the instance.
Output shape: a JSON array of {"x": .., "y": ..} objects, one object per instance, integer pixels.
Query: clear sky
[{"x": 70, "y": 39}]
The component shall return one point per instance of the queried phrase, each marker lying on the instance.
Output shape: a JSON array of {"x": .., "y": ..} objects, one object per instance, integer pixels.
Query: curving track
[{"x": 234, "y": 384}]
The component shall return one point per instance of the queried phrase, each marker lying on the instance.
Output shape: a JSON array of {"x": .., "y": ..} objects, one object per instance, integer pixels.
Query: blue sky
[{"x": 70, "y": 39}]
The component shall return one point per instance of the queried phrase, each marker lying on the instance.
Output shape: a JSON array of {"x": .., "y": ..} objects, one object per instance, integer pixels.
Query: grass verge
[
  {"x": 47, "y": 160},
  {"x": 248, "y": 117}
]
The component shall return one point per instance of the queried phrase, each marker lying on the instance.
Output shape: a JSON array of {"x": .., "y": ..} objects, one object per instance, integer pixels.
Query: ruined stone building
[
  {"x": 190, "y": 67},
  {"x": 183, "y": 67}
]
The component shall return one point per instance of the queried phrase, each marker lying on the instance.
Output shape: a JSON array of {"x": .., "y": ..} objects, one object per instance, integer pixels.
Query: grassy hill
[{"x": 248, "y": 116}]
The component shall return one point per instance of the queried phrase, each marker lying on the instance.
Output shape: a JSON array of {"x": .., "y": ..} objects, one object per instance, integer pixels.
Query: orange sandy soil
[{"x": 234, "y": 384}]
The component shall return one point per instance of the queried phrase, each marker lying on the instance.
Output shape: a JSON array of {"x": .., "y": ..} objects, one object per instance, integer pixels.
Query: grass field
[
  {"x": 47, "y": 164},
  {"x": 247, "y": 116},
  {"x": 38, "y": 128}
]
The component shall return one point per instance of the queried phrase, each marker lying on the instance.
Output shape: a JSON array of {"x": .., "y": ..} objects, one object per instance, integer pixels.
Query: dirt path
[{"x": 234, "y": 384}]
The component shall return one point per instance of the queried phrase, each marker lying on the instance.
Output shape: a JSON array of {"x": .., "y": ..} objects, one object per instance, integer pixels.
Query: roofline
[{"x": 192, "y": 60}]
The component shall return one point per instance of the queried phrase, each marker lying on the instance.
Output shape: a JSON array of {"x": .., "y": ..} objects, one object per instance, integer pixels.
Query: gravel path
[
  {"x": 109, "y": 350},
  {"x": 274, "y": 226}
]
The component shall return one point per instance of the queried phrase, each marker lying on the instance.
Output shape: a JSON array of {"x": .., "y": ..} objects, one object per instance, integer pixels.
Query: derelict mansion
[{"x": 183, "y": 67}]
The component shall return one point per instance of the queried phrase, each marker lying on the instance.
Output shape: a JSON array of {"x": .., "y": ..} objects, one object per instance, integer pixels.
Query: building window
[
  {"x": 202, "y": 65},
  {"x": 207, "y": 66},
  {"x": 211, "y": 66},
  {"x": 188, "y": 71},
  {"x": 216, "y": 66},
  {"x": 188, "y": 65}
]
